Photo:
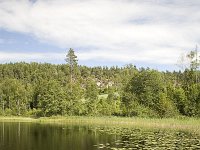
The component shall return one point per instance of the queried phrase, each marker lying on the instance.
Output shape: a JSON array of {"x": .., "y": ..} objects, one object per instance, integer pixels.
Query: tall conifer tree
[{"x": 72, "y": 60}]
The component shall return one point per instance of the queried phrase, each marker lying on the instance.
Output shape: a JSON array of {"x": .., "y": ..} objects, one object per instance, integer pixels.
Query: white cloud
[
  {"x": 154, "y": 31},
  {"x": 162, "y": 57},
  {"x": 29, "y": 57}
]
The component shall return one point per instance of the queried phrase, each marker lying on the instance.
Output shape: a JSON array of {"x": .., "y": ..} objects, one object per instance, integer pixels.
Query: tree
[
  {"x": 74, "y": 100},
  {"x": 51, "y": 97},
  {"x": 182, "y": 62},
  {"x": 14, "y": 96},
  {"x": 194, "y": 61},
  {"x": 71, "y": 59},
  {"x": 29, "y": 89},
  {"x": 147, "y": 89},
  {"x": 91, "y": 96},
  {"x": 180, "y": 100},
  {"x": 2, "y": 102},
  {"x": 193, "y": 103}
]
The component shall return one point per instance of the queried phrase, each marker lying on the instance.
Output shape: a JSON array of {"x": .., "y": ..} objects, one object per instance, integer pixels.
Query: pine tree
[{"x": 72, "y": 61}]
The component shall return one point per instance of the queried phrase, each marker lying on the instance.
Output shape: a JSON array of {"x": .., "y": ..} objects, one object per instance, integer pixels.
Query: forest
[{"x": 43, "y": 89}]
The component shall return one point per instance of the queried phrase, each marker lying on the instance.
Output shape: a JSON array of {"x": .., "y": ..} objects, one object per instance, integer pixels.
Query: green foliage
[
  {"x": 72, "y": 61},
  {"x": 194, "y": 59},
  {"x": 47, "y": 90},
  {"x": 91, "y": 96},
  {"x": 104, "y": 108},
  {"x": 71, "y": 58},
  {"x": 178, "y": 96},
  {"x": 14, "y": 96},
  {"x": 193, "y": 104},
  {"x": 147, "y": 90},
  {"x": 51, "y": 97},
  {"x": 8, "y": 112},
  {"x": 73, "y": 103}
]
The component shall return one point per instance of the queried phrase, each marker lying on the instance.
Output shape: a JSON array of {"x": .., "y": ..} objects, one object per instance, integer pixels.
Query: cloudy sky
[{"x": 150, "y": 33}]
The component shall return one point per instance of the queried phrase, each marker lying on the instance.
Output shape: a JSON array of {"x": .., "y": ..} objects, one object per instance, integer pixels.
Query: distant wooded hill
[{"x": 46, "y": 90}]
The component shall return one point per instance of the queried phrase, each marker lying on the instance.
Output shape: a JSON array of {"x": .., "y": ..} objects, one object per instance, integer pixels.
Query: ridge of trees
[{"x": 71, "y": 89}]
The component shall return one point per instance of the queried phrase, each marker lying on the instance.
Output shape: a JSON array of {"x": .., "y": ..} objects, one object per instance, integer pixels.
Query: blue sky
[{"x": 147, "y": 33}]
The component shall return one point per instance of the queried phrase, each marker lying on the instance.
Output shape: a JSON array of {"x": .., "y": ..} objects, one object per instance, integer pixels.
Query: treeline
[
  {"x": 46, "y": 89},
  {"x": 34, "y": 89}
]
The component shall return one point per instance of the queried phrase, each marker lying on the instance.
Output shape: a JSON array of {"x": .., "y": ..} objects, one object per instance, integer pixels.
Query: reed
[{"x": 192, "y": 124}]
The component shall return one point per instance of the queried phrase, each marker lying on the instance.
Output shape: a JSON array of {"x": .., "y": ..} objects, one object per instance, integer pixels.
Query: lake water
[{"x": 36, "y": 136}]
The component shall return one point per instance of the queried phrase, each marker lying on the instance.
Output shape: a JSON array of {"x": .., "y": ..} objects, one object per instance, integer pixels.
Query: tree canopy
[{"x": 71, "y": 89}]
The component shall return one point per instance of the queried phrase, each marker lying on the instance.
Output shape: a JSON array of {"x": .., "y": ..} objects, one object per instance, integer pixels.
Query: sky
[{"x": 146, "y": 33}]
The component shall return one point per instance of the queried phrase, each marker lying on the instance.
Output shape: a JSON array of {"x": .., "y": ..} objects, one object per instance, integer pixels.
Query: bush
[
  {"x": 8, "y": 112},
  {"x": 34, "y": 113}
]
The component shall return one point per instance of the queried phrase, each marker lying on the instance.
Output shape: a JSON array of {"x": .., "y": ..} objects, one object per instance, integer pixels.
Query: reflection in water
[
  {"x": 36, "y": 136},
  {"x": 19, "y": 131},
  {"x": 3, "y": 133}
]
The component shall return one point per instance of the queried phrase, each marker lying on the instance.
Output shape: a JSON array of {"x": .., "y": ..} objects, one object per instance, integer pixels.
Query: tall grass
[{"x": 192, "y": 124}]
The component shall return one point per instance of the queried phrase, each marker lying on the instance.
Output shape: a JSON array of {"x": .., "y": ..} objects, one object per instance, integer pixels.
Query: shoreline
[{"x": 191, "y": 124}]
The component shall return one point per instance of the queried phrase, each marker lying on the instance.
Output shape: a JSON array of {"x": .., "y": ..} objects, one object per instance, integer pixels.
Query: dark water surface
[{"x": 36, "y": 136}]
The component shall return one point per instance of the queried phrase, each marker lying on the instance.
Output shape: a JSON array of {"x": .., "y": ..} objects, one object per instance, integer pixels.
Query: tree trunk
[
  {"x": 3, "y": 105},
  {"x": 18, "y": 105}
]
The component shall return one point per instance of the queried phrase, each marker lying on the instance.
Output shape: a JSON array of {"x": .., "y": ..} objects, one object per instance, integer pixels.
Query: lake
[{"x": 38, "y": 136}]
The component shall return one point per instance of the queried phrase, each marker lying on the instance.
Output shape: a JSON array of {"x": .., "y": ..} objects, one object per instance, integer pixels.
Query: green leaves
[
  {"x": 14, "y": 96},
  {"x": 91, "y": 97},
  {"x": 69, "y": 89},
  {"x": 51, "y": 97},
  {"x": 147, "y": 89}
]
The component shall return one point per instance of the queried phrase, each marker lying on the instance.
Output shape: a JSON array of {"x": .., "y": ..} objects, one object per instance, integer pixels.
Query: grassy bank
[{"x": 192, "y": 124}]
